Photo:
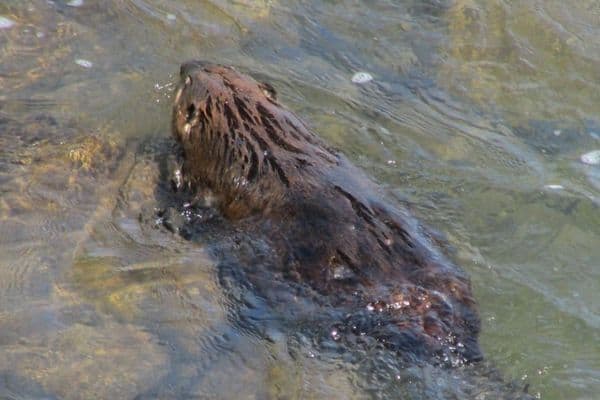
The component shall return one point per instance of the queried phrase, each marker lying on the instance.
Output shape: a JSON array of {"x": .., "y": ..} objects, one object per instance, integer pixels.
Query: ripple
[
  {"x": 535, "y": 60},
  {"x": 81, "y": 361},
  {"x": 6, "y": 23}
]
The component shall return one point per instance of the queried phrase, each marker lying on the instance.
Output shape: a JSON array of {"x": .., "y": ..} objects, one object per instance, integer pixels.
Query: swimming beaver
[{"x": 327, "y": 224}]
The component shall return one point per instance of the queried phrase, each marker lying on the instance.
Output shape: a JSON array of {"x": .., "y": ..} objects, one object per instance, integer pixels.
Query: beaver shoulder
[{"x": 269, "y": 171}]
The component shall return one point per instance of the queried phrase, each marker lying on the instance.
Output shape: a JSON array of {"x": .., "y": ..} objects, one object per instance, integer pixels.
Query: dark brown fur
[{"x": 324, "y": 217}]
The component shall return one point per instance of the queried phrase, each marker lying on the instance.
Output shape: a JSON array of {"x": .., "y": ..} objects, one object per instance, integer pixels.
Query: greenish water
[{"x": 477, "y": 117}]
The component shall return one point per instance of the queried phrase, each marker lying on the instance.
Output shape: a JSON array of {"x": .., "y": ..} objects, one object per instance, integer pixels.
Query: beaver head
[
  {"x": 238, "y": 140},
  {"x": 204, "y": 86}
]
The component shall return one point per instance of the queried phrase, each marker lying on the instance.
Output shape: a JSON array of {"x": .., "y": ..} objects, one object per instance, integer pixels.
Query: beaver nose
[{"x": 189, "y": 66}]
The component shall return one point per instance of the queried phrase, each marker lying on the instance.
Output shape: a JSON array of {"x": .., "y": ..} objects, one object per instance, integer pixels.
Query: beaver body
[{"x": 326, "y": 221}]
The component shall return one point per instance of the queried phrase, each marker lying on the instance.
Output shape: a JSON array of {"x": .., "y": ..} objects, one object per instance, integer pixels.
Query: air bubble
[
  {"x": 591, "y": 158},
  {"x": 84, "y": 63},
  {"x": 362, "y": 77}
]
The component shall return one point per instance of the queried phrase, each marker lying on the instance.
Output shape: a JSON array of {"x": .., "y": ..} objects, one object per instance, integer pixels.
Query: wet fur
[{"x": 325, "y": 219}]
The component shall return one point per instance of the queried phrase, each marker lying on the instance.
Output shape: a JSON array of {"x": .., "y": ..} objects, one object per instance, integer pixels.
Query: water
[{"x": 477, "y": 117}]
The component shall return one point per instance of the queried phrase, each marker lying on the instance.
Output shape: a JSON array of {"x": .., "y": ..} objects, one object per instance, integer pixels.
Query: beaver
[{"x": 328, "y": 224}]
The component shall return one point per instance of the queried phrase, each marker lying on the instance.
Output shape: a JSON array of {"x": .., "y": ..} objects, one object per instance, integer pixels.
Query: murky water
[{"x": 477, "y": 118}]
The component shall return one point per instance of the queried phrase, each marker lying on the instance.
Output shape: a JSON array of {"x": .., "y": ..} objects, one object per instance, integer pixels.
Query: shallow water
[{"x": 476, "y": 118}]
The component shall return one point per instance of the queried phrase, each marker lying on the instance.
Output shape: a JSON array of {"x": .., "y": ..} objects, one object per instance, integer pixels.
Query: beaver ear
[{"x": 268, "y": 90}]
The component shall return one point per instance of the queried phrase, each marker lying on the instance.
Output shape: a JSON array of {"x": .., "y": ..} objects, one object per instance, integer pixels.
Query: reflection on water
[{"x": 477, "y": 117}]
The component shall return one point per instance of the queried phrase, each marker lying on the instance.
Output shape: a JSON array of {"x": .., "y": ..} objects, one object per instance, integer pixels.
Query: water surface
[{"x": 476, "y": 119}]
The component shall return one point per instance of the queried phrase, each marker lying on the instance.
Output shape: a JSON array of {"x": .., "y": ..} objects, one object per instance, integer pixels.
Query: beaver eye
[{"x": 191, "y": 113}]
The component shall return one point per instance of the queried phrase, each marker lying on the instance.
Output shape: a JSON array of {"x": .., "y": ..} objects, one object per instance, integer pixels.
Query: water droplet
[
  {"x": 75, "y": 3},
  {"x": 554, "y": 187},
  {"x": 171, "y": 17},
  {"x": 341, "y": 272},
  {"x": 84, "y": 63},
  {"x": 362, "y": 77},
  {"x": 335, "y": 335},
  {"x": 6, "y": 23},
  {"x": 591, "y": 158}
]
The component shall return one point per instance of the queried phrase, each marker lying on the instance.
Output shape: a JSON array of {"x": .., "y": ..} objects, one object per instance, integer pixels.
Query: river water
[{"x": 483, "y": 117}]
